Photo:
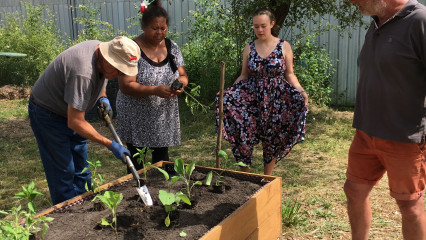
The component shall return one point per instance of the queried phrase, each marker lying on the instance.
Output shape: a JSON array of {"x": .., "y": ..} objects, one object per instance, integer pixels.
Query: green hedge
[{"x": 33, "y": 35}]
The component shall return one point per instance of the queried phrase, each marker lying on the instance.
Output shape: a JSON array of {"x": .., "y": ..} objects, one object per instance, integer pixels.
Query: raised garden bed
[{"x": 250, "y": 208}]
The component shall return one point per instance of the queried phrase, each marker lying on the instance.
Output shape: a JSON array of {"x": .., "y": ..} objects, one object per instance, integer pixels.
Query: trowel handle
[
  {"x": 111, "y": 127},
  {"x": 133, "y": 170},
  {"x": 127, "y": 158}
]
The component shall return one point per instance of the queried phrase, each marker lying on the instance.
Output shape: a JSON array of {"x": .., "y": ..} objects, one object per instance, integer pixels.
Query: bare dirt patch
[{"x": 14, "y": 92}]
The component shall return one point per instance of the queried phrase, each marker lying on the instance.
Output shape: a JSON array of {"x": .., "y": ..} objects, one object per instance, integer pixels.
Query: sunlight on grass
[{"x": 13, "y": 109}]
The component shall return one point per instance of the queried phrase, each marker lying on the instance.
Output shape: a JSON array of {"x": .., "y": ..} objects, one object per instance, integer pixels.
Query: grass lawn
[{"x": 313, "y": 173}]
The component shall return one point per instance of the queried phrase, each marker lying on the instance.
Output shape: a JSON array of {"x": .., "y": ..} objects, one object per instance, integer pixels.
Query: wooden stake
[{"x": 219, "y": 129}]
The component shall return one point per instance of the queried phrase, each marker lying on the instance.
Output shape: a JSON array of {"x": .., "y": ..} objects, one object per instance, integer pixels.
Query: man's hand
[
  {"x": 119, "y": 151},
  {"x": 104, "y": 108}
]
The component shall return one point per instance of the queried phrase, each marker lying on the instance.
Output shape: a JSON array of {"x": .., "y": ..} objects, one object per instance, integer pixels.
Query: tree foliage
[
  {"x": 296, "y": 12},
  {"x": 219, "y": 29},
  {"x": 32, "y": 34}
]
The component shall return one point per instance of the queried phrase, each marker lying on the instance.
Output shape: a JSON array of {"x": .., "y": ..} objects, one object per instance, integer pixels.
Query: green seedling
[
  {"x": 184, "y": 174},
  {"x": 111, "y": 200},
  {"x": 29, "y": 194},
  {"x": 12, "y": 228},
  {"x": 141, "y": 154},
  {"x": 223, "y": 155},
  {"x": 171, "y": 201},
  {"x": 219, "y": 178},
  {"x": 97, "y": 179},
  {"x": 209, "y": 177}
]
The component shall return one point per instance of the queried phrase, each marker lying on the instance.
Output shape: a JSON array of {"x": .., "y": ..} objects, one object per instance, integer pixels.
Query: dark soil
[{"x": 136, "y": 221}]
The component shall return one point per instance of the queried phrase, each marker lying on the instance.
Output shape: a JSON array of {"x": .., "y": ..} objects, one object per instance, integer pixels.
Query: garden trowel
[{"x": 142, "y": 191}]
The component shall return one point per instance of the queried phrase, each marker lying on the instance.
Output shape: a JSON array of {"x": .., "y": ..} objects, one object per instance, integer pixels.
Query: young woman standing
[{"x": 266, "y": 103}]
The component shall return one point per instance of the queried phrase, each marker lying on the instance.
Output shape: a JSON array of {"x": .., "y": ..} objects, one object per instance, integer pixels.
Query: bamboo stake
[{"x": 219, "y": 129}]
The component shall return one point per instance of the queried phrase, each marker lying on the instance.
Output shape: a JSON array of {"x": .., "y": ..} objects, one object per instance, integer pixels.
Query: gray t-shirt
[
  {"x": 390, "y": 101},
  {"x": 71, "y": 79}
]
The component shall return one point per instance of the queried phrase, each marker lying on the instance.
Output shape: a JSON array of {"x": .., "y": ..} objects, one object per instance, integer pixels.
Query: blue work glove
[
  {"x": 104, "y": 108},
  {"x": 118, "y": 151}
]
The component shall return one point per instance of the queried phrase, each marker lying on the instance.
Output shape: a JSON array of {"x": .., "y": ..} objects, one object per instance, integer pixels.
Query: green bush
[
  {"x": 314, "y": 69},
  {"x": 36, "y": 35},
  {"x": 92, "y": 27},
  {"x": 211, "y": 40},
  {"x": 33, "y": 35}
]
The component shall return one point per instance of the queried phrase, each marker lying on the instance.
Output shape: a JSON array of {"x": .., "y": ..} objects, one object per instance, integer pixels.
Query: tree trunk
[{"x": 280, "y": 10}]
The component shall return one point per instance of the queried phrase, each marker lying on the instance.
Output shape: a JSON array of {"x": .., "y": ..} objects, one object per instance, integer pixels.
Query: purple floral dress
[{"x": 264, "y": 107}]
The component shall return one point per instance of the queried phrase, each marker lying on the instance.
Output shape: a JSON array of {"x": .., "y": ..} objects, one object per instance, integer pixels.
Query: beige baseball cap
[{"x": 123, "y": 53}]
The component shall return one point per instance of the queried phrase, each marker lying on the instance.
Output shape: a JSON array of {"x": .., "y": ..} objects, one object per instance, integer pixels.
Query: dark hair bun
[
  {"x": 154, "y": 10},
  {"x": 157, "y": 3}
]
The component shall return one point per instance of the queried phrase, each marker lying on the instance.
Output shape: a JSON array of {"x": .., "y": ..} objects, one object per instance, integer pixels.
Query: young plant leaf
[
  {"x": 167, "y": 221},
  {"x": 101, "y": 179},
  {"x": 241, "y": 164},
  {"x": 222, "y": 154},
  {"x": 209, "y": 178},
  {"x": 166, "y": 198},
  {"x": 189, "y": 169},
  {"x": 111, "y": 199},
  {"x": 174, "y": 179},
  {"x": 179, "y": 166},
  {"x": 164, "y": 172},
  {"x": 31, "y": 207},
  {"x": 97, "y": 180},
  {"x": 184, "y": 198},
  {"x": 105, "y": 222}
]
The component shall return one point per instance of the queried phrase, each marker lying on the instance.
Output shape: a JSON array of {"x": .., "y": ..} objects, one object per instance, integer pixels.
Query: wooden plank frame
[{"x": 259, "y": 218}]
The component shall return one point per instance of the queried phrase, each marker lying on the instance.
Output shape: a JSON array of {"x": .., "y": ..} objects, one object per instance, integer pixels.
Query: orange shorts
[{"x": 405, "y": 163}]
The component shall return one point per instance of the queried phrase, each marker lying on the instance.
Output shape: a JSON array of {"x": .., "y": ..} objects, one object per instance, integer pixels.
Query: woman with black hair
[{"x": 147, "y": 109}]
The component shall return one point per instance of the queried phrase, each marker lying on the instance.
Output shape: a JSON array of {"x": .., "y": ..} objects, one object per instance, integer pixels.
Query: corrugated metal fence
[{"x": 122, "y": 15}]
